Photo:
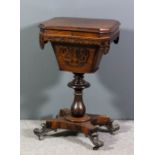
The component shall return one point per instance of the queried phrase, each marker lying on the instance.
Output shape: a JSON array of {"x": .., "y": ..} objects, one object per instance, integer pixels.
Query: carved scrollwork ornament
[
  {"x": 74, "y": 40},
  {"x": 73, "y": 56},
  {"x": 41, "y": 40},
  {"x": 105, "y": 47}
]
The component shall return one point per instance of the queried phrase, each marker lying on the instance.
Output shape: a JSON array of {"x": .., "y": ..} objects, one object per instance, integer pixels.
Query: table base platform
[{"x": 90, "y": 125}]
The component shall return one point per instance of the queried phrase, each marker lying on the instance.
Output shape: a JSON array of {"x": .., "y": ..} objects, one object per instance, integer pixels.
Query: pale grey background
[{"x": 43, "y": 86}]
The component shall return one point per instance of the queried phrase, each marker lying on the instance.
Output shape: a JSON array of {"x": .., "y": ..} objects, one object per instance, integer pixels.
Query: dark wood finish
[
  {"x": 86, "y": 127},
  {"x": 78, "y": 84},
  {"x": 79, "y": 44},
  {"x": 81, "y": 24}
]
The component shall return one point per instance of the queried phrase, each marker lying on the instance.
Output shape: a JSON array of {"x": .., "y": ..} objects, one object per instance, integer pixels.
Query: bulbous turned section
[{"x": 78, "y": 108}]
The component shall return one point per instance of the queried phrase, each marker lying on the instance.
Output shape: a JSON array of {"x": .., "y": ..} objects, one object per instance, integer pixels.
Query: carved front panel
[{"x": 75, "y": 58}]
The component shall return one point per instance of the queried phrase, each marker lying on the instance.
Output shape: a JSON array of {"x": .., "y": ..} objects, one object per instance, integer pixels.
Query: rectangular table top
[{"x": 81, "y": 24}]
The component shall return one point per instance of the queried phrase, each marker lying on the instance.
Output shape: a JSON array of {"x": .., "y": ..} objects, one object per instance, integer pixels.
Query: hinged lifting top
[
  {"x": 79, "y": 30},
  {"x": 81, "y": 24}
]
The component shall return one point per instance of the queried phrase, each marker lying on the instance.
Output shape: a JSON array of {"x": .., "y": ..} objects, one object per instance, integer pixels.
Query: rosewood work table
[{"x": 79, "y": 44}]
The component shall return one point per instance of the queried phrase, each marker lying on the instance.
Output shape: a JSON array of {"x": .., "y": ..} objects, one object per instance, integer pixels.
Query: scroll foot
[
  {"x": 110, "y": 127},
  {"x": 41, "y": 133},
  {"x": 95, "y": 140}
]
